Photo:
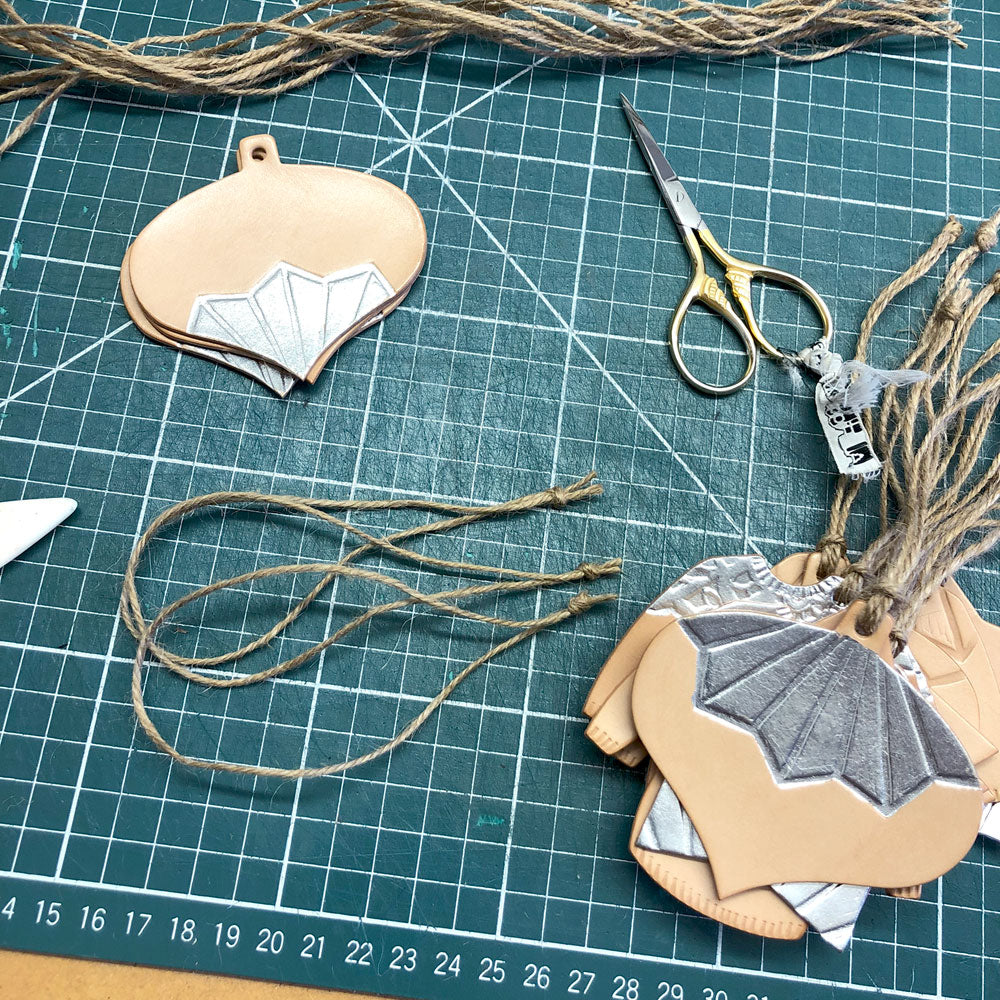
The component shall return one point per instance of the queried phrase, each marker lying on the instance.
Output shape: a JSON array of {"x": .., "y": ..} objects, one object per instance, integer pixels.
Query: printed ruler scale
[
  {"x": 393, "y": 960},
  {"x": 488, "y": 857}
]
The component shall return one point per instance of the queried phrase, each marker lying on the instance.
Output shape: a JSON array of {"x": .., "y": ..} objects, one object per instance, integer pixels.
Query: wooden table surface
[{"x": 50, "y": 977}]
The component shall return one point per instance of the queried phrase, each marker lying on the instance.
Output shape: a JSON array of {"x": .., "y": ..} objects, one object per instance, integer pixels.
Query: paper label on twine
[
  {"x": 840, "y": 414},
  {"x": 846, "y": 436}
]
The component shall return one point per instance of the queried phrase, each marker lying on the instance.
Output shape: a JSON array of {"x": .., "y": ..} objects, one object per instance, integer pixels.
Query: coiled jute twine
[
  {"x": 506, "y": 581},
  {"x": 940, "y": 487},
  {"x": 266, "y": 58}
]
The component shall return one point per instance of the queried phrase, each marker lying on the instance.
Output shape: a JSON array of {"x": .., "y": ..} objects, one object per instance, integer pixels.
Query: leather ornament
[
  {"x": 959, "y": 655},
  {"x": 271, "y": 269},
  {"x": 757, "y": 911},
  {"x": 744, "y": 714},
  {"x": 713, "y": 584}
]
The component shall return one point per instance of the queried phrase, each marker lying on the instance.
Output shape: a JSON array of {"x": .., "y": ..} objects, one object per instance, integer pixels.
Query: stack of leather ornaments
[
  {"x": 811, "y": 736},
  {"x": 271, "y": 269}
]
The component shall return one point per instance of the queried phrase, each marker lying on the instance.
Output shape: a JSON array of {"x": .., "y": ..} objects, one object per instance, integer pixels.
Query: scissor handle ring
[
  {"x": 704, "y": 289},
  {"x": 741, "y": 292}
]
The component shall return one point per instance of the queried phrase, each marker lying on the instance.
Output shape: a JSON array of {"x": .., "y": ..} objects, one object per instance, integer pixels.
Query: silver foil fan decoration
[
  {"x": 831, "y": 909},
  {"x": 668, "y": 828},
  {"x": 275, "y": 379},
  {"x": 822, "y": 706},
  {"x": 291, "y": 318}
]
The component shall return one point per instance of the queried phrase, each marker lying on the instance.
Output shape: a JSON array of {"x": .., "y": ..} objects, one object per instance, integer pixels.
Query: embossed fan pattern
[
  {"x": 822, "y": 706},
  {"x": 291, "y": 317}
]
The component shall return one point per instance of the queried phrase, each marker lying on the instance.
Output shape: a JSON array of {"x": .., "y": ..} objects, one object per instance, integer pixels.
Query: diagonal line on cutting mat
[
  {"x": 109, "y": 651},
  {"x": 459, "y": 156},
  {"x": 458, "y": 112},
  {"x": 184, "y": 702},
  {"x": 754, "y": 385},
  {"x": 561, "y": 320},
  {"x": 711, "y": 182},
  {"x": 99, "y": 696},
  {"x": 407, "y": 144},
  {"x": 63, "y": 365},
  {"x": 306, "y": 741},
  {"x": 376, "y": 487}
]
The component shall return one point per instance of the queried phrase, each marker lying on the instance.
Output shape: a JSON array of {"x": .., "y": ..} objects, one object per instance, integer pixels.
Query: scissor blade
[{"x": 672, "y": 191}]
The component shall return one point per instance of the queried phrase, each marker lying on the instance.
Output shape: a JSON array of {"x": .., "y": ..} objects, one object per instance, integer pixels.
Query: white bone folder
[{"x": 24, "y": 522}]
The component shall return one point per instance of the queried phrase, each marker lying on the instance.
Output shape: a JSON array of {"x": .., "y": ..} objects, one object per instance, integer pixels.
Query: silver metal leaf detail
[
  {"x": 990, "y": 826},
  {"x": 830, "y": 908},
  {"x": 745, "y": 583},
  {"x": 823, "y": 707},
  {"x": 668, "y": 828},
  {"x": 278, "y": 381},
  {"x": 290, "y": 317}
]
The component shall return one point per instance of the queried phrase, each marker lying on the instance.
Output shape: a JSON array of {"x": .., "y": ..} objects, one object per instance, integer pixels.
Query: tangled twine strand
[
  {"x": 506, "y": 581},
  {"x": 940, "y": 489},
  {"x": 266, "y": 58}
]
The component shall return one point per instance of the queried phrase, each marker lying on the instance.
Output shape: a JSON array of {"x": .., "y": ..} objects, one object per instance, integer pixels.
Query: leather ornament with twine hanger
[
  {"x": 499, "y": 581},
  {"x": 608, "y": 703},
  {"x": 944, "y": 632},
  {"x": 271, "y": 269}
]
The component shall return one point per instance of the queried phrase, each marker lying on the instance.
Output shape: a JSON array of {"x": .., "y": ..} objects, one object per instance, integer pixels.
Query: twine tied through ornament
[{"x": 940, "y": 488}]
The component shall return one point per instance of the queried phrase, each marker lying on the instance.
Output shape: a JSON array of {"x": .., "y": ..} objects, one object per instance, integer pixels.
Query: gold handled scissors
[{"x": 703, "y": 287}]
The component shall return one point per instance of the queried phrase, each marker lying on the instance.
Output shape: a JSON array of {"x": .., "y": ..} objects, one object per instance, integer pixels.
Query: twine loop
[
  {"x": 950, "y": 309},
  {"x": 557, "y": 496},
  {"x": 879, "y": 600},
  {"x": 581, "y": 602},
  {"x": 594, "y": 571},
  {"x": 852, "y": 584},
  {"x": 500, "y": 581},
  {"x": 832, "y": 549}
]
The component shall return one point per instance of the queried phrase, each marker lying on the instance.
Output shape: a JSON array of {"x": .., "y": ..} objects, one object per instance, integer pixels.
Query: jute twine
[
  {"x": 940, "y": 488},
  {"x": 261, "y": 58},
  {"x": 506, "y": 581}
]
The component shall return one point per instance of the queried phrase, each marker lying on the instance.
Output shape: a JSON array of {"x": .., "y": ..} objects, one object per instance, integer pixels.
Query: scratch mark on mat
[
  {"x": 33, "y": 329},
  {"x": 485, "y": 819}
]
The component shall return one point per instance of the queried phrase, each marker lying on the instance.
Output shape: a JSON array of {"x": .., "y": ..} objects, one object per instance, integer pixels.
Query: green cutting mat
[{"x": 487, "y": 858}]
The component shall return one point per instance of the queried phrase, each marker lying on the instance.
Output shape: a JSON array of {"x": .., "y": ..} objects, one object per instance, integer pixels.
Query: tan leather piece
[
  {"x": 632, "y": 755},
  {"x": 222, "y": 238},
  {"x": 803, "y": 832},
  {"x": 624, "y": 658},
  {"x": 950, "y": 641},
  {"x": 757, "y": 911},
  {"x": 611, "y": 726},
  {"x": 138, "y": 316},
  {"x": 609, "y": 703},
  {"x": 959, "y": 654},
  {"x": 979, "y": 749},
  {"x": 907, "y": 892}
]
